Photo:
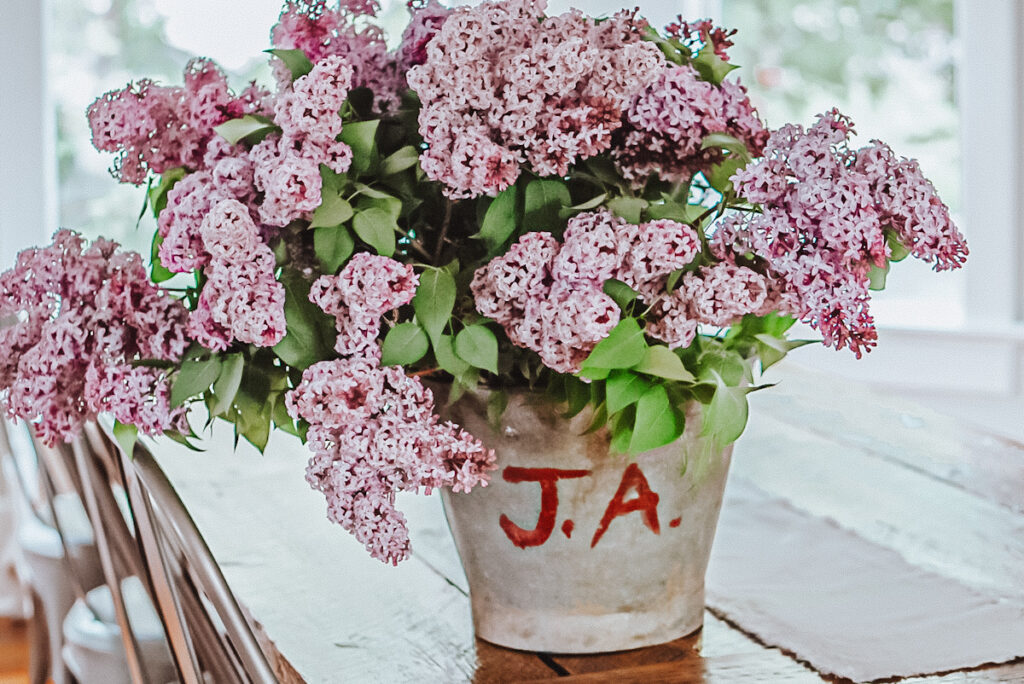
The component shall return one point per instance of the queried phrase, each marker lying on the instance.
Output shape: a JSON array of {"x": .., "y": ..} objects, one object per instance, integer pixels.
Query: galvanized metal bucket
[{"x": 573, "y": 549}]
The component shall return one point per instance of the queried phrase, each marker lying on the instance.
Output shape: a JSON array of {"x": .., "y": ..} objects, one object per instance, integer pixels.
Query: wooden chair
[
  {"x": 61, "y": 561},
  {"x": 114, "y": 635},
  {"x": 208, "y": 633}
]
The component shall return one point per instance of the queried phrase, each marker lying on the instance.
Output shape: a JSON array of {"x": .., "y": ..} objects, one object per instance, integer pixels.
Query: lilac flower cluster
[
  {"x": 77, "y": 317},
  {"x": 822, "y": 227},
  {"x": 907, "y": 202},
  {"x": 321, "y": 31},
  {"x": 156, "y": 128},
  {"x": 665, "y": 126},
  {"x": 241, "y": 300},
  {"x": 373, "y": 430},
  {"x": 366, "y": 289},
  {"x": 427, "y": 18},
  {"x": 716, "y": 295},
  {"x": 246, "y": 193},
  {"x": 548, "y": 297},
  {"x": 287, "y": 167},
  {"x": 503, "y": 85}
]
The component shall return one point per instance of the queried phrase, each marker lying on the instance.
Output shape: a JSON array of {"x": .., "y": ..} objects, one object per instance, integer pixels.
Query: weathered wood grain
[
  {"x": 930, "y": 522},
  {"x": 889, "y": 427},
  {"x": 752, "y": 667}
]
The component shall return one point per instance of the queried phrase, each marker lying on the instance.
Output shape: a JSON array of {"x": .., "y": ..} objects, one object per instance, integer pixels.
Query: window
[{"x": 936, "y": 78}]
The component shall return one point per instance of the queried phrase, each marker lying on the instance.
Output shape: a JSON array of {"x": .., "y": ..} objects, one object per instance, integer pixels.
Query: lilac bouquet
[{"x": 589, "y": 208}]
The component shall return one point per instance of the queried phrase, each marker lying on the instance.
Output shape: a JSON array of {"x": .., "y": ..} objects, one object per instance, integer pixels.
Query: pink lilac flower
[
  {"x": 188, "y": 203},
  {"x": 368, "y": 287},
  {"x": 427, "y": 18},
  {"x": 241, "y": 299},
  {"x": 696, "y": 34},
  {"x": 907, "y": 202},
  {"x": 666, "y": 124},
  {"x": 659, "y": 248},
  {"x": 78, "y": 317},
  {"x": 566, "y": 324},
  {"x": 373, "y": 432},
  {"x": 156, "y": 128},
  {"x": 822, "y": 227},
  {"x": 548, "y": 297},
  {"x": 321, "y": 31},
  {"x": 722, "y": 294},
  {"x": 287, "y": 166},
  {"x": 502, "y": 85}
]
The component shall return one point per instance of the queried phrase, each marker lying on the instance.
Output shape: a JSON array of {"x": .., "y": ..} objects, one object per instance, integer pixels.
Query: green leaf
[
  {"x": 176, "y": 436},
  {"x": 726, "y": 416},
  {"x": 250, "y": 128},
  {"x": 364, "y": 190},
  {"x": 157, "y": 194},
  {"x": 296, "y": 61},
  {"x": 254, "y": 415},
  {"x": 624, "y": 388},
  {"x": 591, "y": 203},
  {"x": 722, "y": 173},
  {"x": 671, "y": 210},
  {"x": 898, "y": 251},
  {"x": 226, "y": 386},
  {"x": 771, "y": 349},
  {"x": 544, "y": 201},
  {"x": 361, "y": 136},
  {"x": 673, "y": 279},
  {"x": 500, "y": 220},
  {"x": 310, "y": 333},
  {"x": 478, "y": 345},
  {"x": 387, "y": 203},
  {"x": 447, "y": 359},
  {"x": 722, "y": 363},
  {"x": 577, "y": 395},
  {"x": 158, "y": 273},
  {"x": 877, "y": 277},
  {"x": 405, "y": 344},
  {"x": 622, "y": 293},
  {"x": 623, "y": 348},
  {"x": 376, "y": 228},
  {"x": 282, "y": 419},
  {"x": 657, "y": 421},
  {"x": 599, "y": 420},
  {"x": 662, "y": 363},
  {"x": 195, "y": 377},
  {"x": 710, "y": 66},
  {"x": 621, "y": 427},
  {"x": 726, "y": 142},
  {"x": 334, "y": 209},
  {"x": 594, "y": 373},
  {"x": 400, "y": 160},
  {"x": 497, "y": 402},
  {"x": 126, "y": 436},
  {"x": 434, "y": 301},
  {"x": 628, "y": 208},
  {"x": 333, "y": 246}
]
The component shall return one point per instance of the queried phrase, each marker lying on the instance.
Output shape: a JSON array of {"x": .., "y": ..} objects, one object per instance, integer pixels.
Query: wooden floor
[{"x": 13, "y": 651}]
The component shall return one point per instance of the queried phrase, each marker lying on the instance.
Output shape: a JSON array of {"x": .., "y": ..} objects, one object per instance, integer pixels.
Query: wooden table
[{"x": 329, "y": 613}]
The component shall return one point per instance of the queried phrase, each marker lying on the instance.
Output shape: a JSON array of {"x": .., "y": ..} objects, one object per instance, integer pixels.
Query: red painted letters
[
  {"x": 567, "y": 528},
  {"x": 646, "y": 501},
  {"x": 548, "y": 479}
]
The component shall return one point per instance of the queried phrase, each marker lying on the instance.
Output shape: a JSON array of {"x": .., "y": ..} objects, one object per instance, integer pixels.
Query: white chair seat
[
  {"x": 36, "y": 537},
  {"x": 94, "y": 651}
]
